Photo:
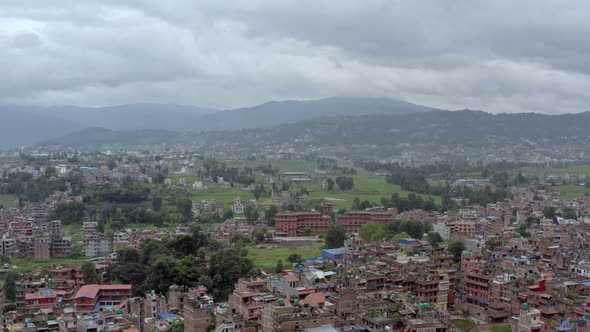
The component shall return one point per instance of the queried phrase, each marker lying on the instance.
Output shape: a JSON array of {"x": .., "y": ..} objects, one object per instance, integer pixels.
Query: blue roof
[
  {"x": 166, "y": 315},
  {"x": 336, "y": 251},
  {"x": 586, "y": 283},
  {"x": 492, "y": 217}
]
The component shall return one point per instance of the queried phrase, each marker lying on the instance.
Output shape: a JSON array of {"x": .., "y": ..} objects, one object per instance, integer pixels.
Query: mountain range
[{"x": 23, "y": 125}]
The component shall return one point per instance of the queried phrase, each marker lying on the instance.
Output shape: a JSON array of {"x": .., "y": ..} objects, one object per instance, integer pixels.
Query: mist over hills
[
  {"x": 23, "y": 125},
  {"x": 418, "y": 136}
]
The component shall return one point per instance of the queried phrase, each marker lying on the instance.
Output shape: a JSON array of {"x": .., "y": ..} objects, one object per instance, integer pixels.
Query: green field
[
  {"x": 501, "y": 328},
  {"x": 574, "y": 170},
  {"x": 462, "y": 325},
  {"x": 571, "y": 191},
  {"x": 8, "y": 200},
  {"x": 366, "y": 185},
  {"x": 267, "y": 258},
  {"x": 28, "y": 265}
]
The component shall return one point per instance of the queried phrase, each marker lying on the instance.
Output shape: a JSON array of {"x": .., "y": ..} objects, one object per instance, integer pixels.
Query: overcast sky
[{"x": 498, "y": 56}]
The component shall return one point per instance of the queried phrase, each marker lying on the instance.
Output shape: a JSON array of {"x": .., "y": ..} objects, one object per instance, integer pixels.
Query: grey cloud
[{"x": 500, "y": 56}]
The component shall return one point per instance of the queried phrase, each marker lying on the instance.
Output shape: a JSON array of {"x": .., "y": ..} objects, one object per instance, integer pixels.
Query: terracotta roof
[
  {"x": 315, "y": 299},
  {"x": 90, "y": 291},
  {"x": 291, "y": 278}
]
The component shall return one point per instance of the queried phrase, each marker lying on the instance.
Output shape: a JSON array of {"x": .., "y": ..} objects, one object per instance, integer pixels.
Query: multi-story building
[
  {"x": 7, "y": 247},
  {"x": 96, "y": 244},
  {"x": 354, "y": 220},
  {"x": 99, "y": 297},
  {"x": 61, "y": 247},
  {"x": 293, "y": 223},
  {"x": 42, "y": 248}
]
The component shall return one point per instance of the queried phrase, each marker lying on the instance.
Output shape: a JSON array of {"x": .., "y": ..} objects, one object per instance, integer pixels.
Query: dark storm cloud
[{"x": 501, "y": 56}]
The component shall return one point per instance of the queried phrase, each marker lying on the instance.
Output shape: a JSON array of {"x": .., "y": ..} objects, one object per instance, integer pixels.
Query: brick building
[
  {"x": 293, "y": 223},
  {"x": 354, "y": 220},
  {"x": 96, "y": 297}
]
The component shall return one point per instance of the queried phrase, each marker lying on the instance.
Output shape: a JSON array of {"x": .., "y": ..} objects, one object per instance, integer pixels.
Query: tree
[
  {"x": 294, "y": 258},
  {"x": 251, "y": 213},
  {"x": 434, "y": 238},
  {"x": 279, "y": 267},
  {"x": 372, "y": 231},
  {"x": 270, "y": 214},
  {"x": 10, "y": 286},
  {"x": 89, "y": 272},
  {"x": 335, "y": 237},
  {"x": 345, "y": 182},
  {"x": 549, "y": 212},
  {"x": 330, "y": 184},
  {"x": 456, "y": 248},
  {"x": 568, "y": 213},
  {"x": 157, "y": 203},
  {"x": 177, "y": 326}
]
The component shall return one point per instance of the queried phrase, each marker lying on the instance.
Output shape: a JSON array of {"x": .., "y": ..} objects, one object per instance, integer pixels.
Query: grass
[
  {"x": 267, "y": 258},
  {"x": 575, "y": 170},
  {"x": 463, "y": 325},
  {"x": 28, "y": 265},
  {"x": 8, "y": 200},
  {"x": 366, "y": 187},
  {"x": 571, "y": 191},
  {"x": 501, "y": 328}
]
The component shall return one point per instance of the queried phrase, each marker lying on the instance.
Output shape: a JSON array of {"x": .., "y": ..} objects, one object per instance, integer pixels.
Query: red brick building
[
  {"x": 354, "y": 220},
  {"x": 95, "y": 297},
  {"x": 293, "y": 223}
]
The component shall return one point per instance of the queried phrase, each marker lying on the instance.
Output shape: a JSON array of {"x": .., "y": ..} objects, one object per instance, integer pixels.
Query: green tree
[
  {"x": 10, "y": 286},
  {"x": 294, "y": 258},
  {"x": 456, "y": 248},
  {"x": 89, "y": 272},
  {"x": 434, "y": 238},
  {"x": 372, "y": 231},
  {"x": 335, "y": 237},
  {"x": 157, "y": 203},
  {"x": 279, "y": 267},
  {"x": 270, "y": 214},
  {"x": 568, "y": 213},
  {"x": 177, "y": 326},
  {"x": 330, "y": 184},
  {"x": 549, "y": 212}
]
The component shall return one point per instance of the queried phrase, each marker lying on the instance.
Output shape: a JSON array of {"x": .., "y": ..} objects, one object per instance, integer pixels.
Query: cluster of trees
[
  {"x": 68, "y": 213},
  {"x": 214, "y": 169},
  {"x": 182, "y": 261},
  {"x": 409, "y": 180},
  {"x": 410, "y": 202},
  {"x": 344, "y": 182},
  {"x": 375, "y": 231},
  {"x": 126, "y": 194},
  {"x": 334, "y": 237},
  {"x": 35, "y": 189}
]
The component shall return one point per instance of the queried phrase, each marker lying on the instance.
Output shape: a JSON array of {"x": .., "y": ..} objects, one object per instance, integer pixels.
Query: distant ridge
[
  {"x": 289, "y": 111},
  {"x": 25, "y": 125},
  {"x": 422, "y": 136}
]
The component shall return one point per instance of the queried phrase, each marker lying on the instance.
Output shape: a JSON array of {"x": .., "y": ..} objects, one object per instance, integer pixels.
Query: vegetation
[
  {"x": 159, "y": 264},
  {"x": 89, "y": 271},
  {"x": 335, "y": 237},
  {"x": 456, "y": 248}
]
